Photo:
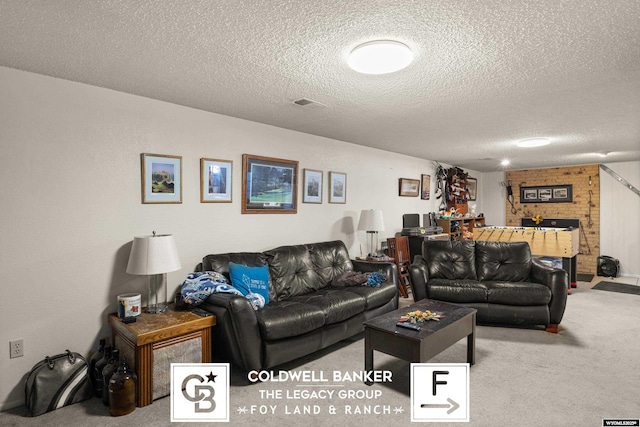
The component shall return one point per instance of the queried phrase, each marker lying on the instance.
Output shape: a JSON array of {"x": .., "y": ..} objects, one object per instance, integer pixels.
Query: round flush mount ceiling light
[
  {"x": 533, "y": 142},
  {"x": 380, "y": 57}
]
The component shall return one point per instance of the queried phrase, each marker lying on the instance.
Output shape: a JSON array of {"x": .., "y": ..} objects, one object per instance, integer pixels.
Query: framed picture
[
  {"x": 426, "y": 190},
  {"x": 161, "y": 178},
  {"x": 215, "y": 180},
  {"x": 472, "y": 188},
  {"x": 409, "y": 187},
  {"x": 269, "y": 185},
  {"x": 337, "y": 187},
  {"x": 547, "y": 194},
  {"x": 560, "y": 193},
  {"x": 530, "y": 194},
  {"x": 312, "y": 191}
]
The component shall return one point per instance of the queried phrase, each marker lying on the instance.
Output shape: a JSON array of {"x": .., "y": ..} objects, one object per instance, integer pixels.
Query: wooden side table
[{"x": 155, "y": 341}]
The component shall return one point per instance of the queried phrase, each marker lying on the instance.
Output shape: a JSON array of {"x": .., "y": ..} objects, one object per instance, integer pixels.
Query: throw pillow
[{"x": 250, "y": 280}]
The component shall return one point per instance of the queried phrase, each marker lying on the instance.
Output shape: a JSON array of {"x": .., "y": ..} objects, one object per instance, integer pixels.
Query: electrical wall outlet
[{"x": 17, "y": 348}]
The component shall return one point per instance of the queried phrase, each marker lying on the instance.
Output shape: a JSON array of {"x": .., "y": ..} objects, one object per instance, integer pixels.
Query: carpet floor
[{"x": 588, "y": 371}]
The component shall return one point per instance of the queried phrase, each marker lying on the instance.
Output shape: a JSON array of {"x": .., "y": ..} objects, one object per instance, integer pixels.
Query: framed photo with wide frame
[
  {"x": 547, "y": 194},
  {"x": 409, "y": 187},
  {"x": 425, "y": 193},
  {"x": 161, "y": 178},
  {"x": 337, "y": 187},
  {"x": 269, "y": 185},
  {"x": 312, "y": 190},
  {"x": 215, "y": 180}
]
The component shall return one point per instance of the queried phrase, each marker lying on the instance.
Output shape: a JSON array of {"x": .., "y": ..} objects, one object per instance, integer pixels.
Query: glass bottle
[
  {"x": 97, "y": 371},
  {"x": 122, "y": 390},
  {"x": 92, "y": 362},
  {"x": 107, "y": 372}
]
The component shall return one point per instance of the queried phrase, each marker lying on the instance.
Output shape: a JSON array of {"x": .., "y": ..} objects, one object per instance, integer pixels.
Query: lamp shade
[
  {"x": 155, "y": 254},
  {"x": 371, "y": 220}
]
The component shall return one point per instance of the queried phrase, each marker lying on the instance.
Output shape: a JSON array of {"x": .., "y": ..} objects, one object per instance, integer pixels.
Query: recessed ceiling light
[
  {"x": 380, "y": 57},
  {"x": 505, "y": 162},
  {"x": 533, "y": 142}
]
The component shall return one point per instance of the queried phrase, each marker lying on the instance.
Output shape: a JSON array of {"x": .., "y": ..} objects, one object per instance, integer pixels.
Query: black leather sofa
[
  {"x": 499, "y": 279},
  {"x": 305, "y": 312}
]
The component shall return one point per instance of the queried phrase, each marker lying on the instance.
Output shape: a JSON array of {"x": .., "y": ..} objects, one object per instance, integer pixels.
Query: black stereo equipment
[{"x": 420, "y": 231}]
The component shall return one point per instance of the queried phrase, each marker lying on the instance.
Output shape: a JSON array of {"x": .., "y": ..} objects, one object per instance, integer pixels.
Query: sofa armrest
[
  {"x": 236, "y": 334},
  {"x": 557, "y": 280},
  {"x": 419, "y": 275},
  {"x": 387, "y": 268}
]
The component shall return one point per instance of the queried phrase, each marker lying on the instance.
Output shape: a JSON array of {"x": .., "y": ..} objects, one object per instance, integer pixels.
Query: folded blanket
[
  {"x": 354, "y": 278},
  {"x": 198, "y": 286}
]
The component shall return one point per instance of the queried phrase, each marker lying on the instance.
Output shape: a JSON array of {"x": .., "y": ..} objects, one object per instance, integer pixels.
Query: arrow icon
[{"x": 452, "y": 405}]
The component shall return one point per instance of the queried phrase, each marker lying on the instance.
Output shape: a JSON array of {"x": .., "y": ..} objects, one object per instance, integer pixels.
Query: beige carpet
[{"x": 590, "y": 370}]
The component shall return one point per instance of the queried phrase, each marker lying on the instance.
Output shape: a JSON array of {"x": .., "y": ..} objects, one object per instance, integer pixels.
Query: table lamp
[
  {"x": 371, "y": 221},
  {"x": 154, "y": 256}
]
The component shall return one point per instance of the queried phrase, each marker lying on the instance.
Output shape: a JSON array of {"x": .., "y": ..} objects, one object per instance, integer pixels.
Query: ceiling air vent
[{"x": 308, "y": 103}]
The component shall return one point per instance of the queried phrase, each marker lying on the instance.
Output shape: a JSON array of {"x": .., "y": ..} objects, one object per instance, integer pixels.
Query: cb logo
[
  {"x": 203, "y": 394},
  {"x": 200, "y": 392}
]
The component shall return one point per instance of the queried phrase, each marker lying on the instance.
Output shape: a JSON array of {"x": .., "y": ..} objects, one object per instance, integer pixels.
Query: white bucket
[{"x": 129, "y": 305}]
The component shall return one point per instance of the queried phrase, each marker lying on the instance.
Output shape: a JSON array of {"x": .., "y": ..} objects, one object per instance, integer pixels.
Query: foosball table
[{"x": 549, "y": 242}]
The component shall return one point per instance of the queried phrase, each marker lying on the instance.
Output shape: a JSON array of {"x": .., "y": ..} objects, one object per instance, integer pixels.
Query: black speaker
[{"x": 608, "y": 266}]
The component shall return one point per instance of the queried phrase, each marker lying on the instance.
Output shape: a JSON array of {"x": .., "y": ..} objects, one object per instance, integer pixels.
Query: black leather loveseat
[
  {"x": 305, "y": 312},
  {"x": 499, "y": 279}
]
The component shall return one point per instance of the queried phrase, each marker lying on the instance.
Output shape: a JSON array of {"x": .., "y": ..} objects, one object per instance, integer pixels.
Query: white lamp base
[
  {"x": 157, "y": 294},
  {"x": 373, "y": 243}
]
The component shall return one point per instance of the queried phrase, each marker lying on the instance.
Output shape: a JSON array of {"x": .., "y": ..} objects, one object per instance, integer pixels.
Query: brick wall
[{"x": 578, "y": 176}]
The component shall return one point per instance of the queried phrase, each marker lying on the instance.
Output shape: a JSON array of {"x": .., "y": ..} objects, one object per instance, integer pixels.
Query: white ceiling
[{"x": 486, "y": 73}]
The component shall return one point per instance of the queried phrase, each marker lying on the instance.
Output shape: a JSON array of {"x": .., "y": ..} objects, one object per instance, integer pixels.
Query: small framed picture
[
  {"x": 530, "y": 194},
  {"x": 161, "y": 178},
  {"x": 312, "y": 191},
  {"x": 215, "y": 180},
  {"x": 472, "y": 188},
  {"x": 337, "y": 187},
  {"x": 269, "y": 185},
  {"x": 409, "y": 187},
  {"x": 545, "y": 194},
  {"x": 425, "y": 193},
  {"x": 560, "y": 193}
]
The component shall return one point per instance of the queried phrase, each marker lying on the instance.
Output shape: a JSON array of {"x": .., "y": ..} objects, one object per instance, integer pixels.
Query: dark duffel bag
[{"x": 57, "y": 381}]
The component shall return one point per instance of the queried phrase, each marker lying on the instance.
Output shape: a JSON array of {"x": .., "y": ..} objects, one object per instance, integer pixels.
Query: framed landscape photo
[
  {"x": 215, "y": 180},
  {"x": 312, "y": 190},
  {"x": 409, "y": 187},
  {"x": 425, "y": 193},
  {"x": 269, "y": 185},
  {"x": 161, "y": 178},
  {"x": 337, "y": 187},
  {"x": 547, "y": 194}
]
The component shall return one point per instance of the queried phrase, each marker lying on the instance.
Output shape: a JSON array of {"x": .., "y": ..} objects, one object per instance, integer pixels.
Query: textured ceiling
[{"x": 486, "y": 73}]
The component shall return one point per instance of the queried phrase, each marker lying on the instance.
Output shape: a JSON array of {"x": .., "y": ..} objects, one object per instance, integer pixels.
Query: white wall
[
  {"x": 620, "y": 217},
  {"x": 70, "y": 197},
  {"x": 494, "y": 195}
]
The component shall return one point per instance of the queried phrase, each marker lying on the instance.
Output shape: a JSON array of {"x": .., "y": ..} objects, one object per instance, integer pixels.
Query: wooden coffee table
[{"x": 382, "y": 334}]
